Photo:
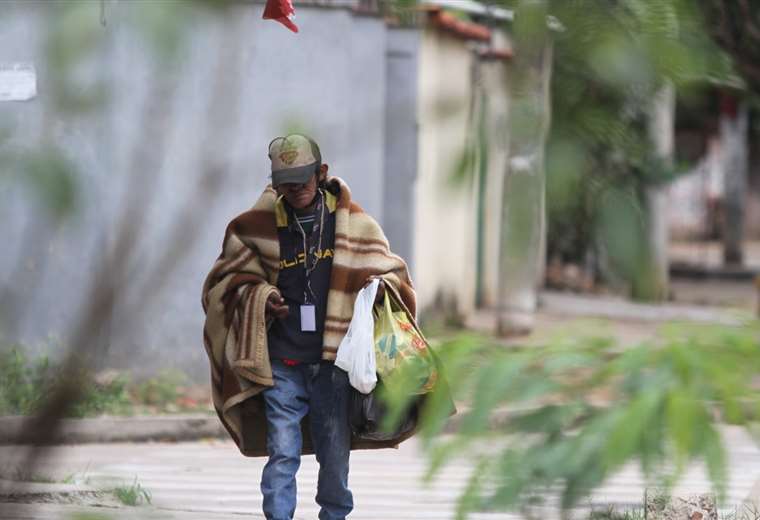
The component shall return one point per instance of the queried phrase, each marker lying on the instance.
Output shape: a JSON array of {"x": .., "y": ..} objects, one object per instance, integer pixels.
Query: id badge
[{"x": 308, "y": 319}]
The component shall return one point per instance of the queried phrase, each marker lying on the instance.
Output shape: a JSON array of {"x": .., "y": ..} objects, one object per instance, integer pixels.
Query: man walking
[{"x": 279, "y": 300}]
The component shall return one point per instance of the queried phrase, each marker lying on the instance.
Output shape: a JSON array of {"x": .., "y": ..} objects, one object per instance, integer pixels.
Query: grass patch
[
  {"x": 25, "y": 384},
  {"x": 132, "y": 495},
  {"x": 22, "y": 381},
  {"x": 162, "y": 390}
]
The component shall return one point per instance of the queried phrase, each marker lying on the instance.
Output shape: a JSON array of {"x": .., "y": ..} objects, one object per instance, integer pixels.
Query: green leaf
[
  {"x": 715, "y": 458},
  {"x": 471, "y": 499}
]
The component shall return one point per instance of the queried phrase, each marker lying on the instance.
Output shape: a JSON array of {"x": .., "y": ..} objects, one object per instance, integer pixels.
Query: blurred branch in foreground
[
  {"x": 110, "y": 285},
  {"x": 546, "y": 425},
  {"x": 735, "y": 26},
  {"x": 617, "y": 69}
]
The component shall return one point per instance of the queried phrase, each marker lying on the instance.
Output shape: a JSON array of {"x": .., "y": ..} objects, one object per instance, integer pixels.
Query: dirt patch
[{"x": 81, "y": 498}]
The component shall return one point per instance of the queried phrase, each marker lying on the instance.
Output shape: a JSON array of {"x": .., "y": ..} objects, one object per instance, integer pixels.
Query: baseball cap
[{"x": 295, "y": 158}]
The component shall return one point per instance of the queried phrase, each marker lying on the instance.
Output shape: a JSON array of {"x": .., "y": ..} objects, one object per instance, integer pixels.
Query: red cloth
[
  {"x": 281, "y": 11},
  {"x": 290, "y": 362}
]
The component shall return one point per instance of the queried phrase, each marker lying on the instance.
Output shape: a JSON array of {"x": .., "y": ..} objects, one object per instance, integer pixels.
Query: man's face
[{"x": 299, "y": 196}]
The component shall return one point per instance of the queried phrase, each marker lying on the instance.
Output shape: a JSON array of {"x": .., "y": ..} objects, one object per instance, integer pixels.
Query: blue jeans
[{"x": 321, "y": 390}]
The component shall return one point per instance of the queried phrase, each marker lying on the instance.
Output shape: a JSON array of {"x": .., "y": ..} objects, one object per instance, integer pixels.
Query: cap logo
[{"x": 288, "y": 156}]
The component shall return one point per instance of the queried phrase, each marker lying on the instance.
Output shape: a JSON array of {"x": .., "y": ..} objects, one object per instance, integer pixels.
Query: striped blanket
[{"x": 245, "y": 275}]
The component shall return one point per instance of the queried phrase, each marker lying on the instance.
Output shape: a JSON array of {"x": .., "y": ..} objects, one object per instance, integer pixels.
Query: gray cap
[{"x": 295, "y": 158}]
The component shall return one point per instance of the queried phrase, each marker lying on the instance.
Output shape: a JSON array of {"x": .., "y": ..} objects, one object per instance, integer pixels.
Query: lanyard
[{"x": 312, "y": 251}]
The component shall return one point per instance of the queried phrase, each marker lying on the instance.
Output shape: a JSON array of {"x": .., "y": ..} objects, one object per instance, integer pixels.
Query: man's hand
[{"x": 275, "y": 307}]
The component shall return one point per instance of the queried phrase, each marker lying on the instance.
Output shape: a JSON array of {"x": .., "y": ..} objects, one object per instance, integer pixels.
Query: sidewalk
[
  {"x": 210, "y": 480},
  {"x": 561, "y": 313},
  {"x": 617, "y": 308}
]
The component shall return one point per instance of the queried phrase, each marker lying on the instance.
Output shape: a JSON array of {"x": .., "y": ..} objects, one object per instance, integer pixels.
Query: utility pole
[
  {"x": 523, "y": 215},
  {"x": 651, "y": 280}
]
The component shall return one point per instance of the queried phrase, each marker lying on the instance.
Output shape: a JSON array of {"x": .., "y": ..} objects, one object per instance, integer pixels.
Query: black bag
[{"x": 366, "y": 413}]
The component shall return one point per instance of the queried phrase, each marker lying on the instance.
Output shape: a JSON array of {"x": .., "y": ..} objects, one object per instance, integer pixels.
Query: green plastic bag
[{"x": 399, "y": 345}]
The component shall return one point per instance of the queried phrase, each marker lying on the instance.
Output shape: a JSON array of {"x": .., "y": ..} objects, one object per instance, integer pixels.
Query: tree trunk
[
  {"x": 523, "y": 199},
  {"x": 733, "y": 137},
  {"x": 651, "y": 279}
]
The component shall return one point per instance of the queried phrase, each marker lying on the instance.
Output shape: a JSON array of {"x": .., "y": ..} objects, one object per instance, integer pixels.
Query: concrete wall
[
  {"x": 401, "y": 144},
  {"x": 315, "y": 80},
  {"x": 388, "y": 106},
  {"x": 446, "y": 215},
  {"x": 445, "y": 233}
]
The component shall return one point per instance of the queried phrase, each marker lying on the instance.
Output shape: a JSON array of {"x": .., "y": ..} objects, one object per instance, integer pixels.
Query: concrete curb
[
  {"x": 103, "y": 429},
  {"x": 700, "y": 272},
  {"x": 167, "y": 428},
  {"x": 616, "y": 308},
  {"x": 584, "y": 307},
  {"x": 18, "y": 491}
]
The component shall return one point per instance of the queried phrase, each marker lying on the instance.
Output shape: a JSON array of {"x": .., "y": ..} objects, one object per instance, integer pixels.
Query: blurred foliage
[
  {"x": 735, "y": 26},
  {"x": 560, "y": 418},
  {"x": 77, "y": 36},
  {"x": 22, "y": 381},
  {"x": 25, "y": 385},
  {"x": 74, "y": 42},
  {"x": 162, "y": 389},
  {"x": 52, "y": 177},
  {"x": 73, "y": 37},
  {"x": 109, "y": 398},
  {"x": 405, "y": 12},
  {"x": 610, "y": 61},
  {"x": 73, "y": 46},
  {"x": 48, "y": 175}
]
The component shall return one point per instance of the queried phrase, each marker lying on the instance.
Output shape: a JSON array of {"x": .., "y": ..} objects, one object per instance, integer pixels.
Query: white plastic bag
[{"x": 356, "y": 353}]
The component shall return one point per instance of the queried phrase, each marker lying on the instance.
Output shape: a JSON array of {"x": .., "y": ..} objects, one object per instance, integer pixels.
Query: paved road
[{"x": 211, "y": 481}]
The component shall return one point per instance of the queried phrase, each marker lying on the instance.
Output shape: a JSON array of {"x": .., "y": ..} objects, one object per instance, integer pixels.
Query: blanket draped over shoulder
[{"x": 245, "y": 275}]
